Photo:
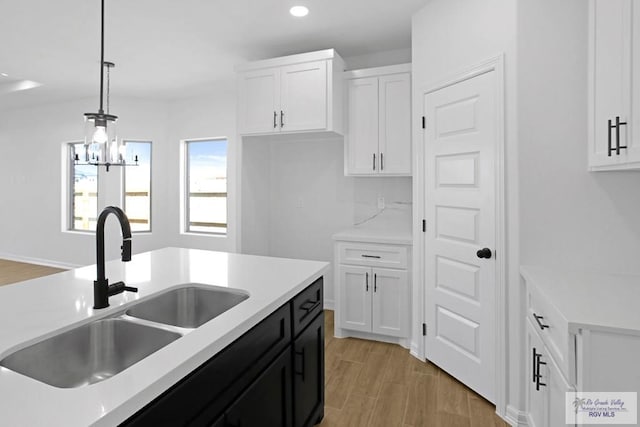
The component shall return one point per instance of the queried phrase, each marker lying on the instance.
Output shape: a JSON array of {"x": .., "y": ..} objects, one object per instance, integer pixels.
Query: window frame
[
  {"x": 69, "y": 186},
  {"x": 186, "y": 190},
  {"x": 124, "y": 184}
]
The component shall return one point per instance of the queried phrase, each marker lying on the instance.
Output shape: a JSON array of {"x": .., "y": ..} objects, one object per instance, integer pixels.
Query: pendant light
[{"x": 101, "y": 142}]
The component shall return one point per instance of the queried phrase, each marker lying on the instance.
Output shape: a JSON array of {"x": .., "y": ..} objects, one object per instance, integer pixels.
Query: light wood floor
[
  {"x": 367, "y": 383},
  {"x": 377, "y": 384},
  {"x": 11, "y": 271}
]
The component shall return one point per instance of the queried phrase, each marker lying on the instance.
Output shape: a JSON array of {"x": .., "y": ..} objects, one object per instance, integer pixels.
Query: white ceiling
[{"x": 168, "y": 48}]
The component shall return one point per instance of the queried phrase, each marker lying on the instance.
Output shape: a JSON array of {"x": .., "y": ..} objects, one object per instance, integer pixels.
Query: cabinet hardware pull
[
  {"x": 617, "y": 128},
  {"x": 275, "y": 120},
  {"x": 534, "y": 359},
  {"x": 370, "y": 256},
  {"x": 375, "y": 282},
  {"x": 301, "y": 372},
  {"x": 374, "y": 161},
  {"x": 309, "y": 305},
  {"x": 381, "y": 161},
  {"x": 538, "y": 320},
  {"x": 281, "y": 118},
  {"x": 538, "y": 376},
  {"x": 366, "y": 281}
]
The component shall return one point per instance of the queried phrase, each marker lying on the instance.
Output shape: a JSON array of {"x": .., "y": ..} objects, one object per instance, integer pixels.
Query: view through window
[
  {"x": 206, "y": 186},
  {"x": 83, "y": 192},
  {"x": 137, "y": 186}
]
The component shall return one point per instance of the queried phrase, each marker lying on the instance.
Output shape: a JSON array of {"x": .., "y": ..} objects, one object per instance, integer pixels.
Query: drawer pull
[
  {"x": 370, "y": 256},
  {"x": 538, "y": 320},
  {"x": 375, "y": 283},
  {"x": 366, "y": 282},
  {"x": 310, "y": 305},
  {"x": 301, "y": 371}
]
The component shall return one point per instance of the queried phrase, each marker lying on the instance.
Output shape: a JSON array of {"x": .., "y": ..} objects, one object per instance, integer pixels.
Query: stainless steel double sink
[{"x": 98, "y": 350}]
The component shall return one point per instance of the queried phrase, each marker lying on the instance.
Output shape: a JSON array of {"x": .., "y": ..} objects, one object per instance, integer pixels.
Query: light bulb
[
  {"x": 100, "y": 135},
  {"x": 299, "y": 11}
]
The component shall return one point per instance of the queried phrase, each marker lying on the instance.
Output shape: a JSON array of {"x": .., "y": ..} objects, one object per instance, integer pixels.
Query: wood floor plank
[
  {"x": 483, "y": 413},
  {"x": 370, "y": 379},
  {"x": 452, "y": 396},
  {"x": 342, "y": 381},
  {"x": 13, "y": 272},
  {"x": 399, "y": 369},
  {"x": 390, "y": 405},
  {"x": 422, "y": 401},
  {"x": 357, "y": 350},
  {"x": 357, "y": 411}
]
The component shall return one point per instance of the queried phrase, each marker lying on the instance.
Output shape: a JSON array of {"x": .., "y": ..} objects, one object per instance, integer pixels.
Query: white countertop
[
  {"x": 593, "y": 301},
  {"x": 43, "y": 307},
  {"x": 391, "y": 226}
]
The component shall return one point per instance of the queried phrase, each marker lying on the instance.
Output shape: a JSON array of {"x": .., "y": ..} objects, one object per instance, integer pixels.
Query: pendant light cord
[{"x": 101, "y": 56}]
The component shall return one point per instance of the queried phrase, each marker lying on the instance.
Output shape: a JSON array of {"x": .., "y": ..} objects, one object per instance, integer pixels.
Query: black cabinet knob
[{"x": 484, "y": 253}]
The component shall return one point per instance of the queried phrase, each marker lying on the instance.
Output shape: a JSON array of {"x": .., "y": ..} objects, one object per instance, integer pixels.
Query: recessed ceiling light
[
  {"x": 299, "y": 11},
  {"x": 4, "y": 74}
]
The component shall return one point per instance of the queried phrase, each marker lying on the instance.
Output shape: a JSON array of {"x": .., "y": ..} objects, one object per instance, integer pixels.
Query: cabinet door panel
[
  {"x": 259, "y": 101},
  {"x": 395, "y": 124},
  {"x": 268, "y": 401},
  {"x": 611, "y": 77},
  {"x": 355, "y": 298},
  {"x": 362, "y": 122},
  {"x": 557, "y": 388},
  {"x": 308, "y": 374},
  {"x": 304, "y": 97},
  {"x": 390, "y": 302}
]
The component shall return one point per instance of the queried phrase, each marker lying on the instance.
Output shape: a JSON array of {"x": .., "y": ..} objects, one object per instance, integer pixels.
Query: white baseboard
[
  {"x": 38, "y": 261},
  {"x": 345, "y": 333},
  {"x": 414, "y": 350},
  {"x": 516, "y": 417},
  {"x": 329, "y": 304}
]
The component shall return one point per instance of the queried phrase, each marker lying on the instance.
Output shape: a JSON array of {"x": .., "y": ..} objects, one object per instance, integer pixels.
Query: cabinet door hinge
[
  {"x": 424, "y": 329},
  {"x": 424, "y": 122},
  {"x": 424, "y": 225}
]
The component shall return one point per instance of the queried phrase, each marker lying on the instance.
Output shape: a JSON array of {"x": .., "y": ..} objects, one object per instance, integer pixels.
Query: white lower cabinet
[
  {"x": 546, "y": 386},
  {"x": 372, "y": 300}
]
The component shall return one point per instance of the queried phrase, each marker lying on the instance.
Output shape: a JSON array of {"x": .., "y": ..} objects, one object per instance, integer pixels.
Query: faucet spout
[{"x": 101, "y": 289}]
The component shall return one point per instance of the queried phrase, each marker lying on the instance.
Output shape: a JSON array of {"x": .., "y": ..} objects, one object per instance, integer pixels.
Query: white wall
[
  {"x": 295, "y": 197},
  {"x": 31, "y": 172},
  {"x": 449, "y": 36},
  {"x": 570, "y": 218}
]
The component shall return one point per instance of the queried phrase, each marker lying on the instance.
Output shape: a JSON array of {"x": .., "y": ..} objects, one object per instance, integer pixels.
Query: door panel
[
  {"x": 362, "y": 100},
  {"x": 395, "y": 124},
  {"x": 460, "y": 184},
  {"x": 390, "y": 302},
  {"x": 308, "y": 374},
  {"x": 304, "y": 97},
  {"x": 355, "y": 293},
  {"x": 259, "y": 100}
]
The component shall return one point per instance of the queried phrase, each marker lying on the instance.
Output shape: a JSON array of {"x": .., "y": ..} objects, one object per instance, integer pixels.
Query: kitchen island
[{"x": 36, "y": 309}]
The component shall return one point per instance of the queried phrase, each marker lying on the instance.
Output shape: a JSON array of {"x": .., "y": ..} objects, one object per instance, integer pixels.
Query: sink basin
[
  {"x": 189, "y": 306},
  {"x": 89, "y": 353}
]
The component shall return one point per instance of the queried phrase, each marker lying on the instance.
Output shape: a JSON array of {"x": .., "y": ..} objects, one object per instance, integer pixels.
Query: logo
[{"x": 601, "y": 408}]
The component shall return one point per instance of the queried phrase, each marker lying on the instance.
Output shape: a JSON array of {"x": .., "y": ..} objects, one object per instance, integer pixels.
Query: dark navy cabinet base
[{"x": 273, "y": 375}]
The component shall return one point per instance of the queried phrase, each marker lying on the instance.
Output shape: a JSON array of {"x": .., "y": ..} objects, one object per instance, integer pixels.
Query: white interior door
[
  {"x": 304, "y": 97},
  {"x": 460, "y": 183},
  {"x": 356, "y": 288}
]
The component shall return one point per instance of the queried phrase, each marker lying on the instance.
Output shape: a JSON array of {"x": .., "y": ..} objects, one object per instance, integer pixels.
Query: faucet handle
[
  {"x": 126, "y": 250},
  {"x": 119, "y": 287}
]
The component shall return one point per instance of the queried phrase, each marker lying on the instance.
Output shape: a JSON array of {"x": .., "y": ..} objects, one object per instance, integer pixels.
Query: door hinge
[
  {"x": 424, "y": 122},
  {"x": 424, "y": 329},
  {"x": 424, "y": 225}
]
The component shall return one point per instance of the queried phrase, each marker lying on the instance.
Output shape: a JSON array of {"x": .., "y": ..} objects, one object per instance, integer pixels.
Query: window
[
  {"x": 206, "y": 186},
  {"x": 137, "y": 186},
  {"x": 83, "y": 191}
]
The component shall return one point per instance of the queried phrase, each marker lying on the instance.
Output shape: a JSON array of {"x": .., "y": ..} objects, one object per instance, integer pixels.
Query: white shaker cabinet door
[
  {"x": 259, "y": 101},
  {"x": 356, "y": 289},
  {"x": 395, "y": 124},
  {"x": 390, "y": 302},
  {"x": 362, "y": 119},
  {"x": 304, "y": 97}
]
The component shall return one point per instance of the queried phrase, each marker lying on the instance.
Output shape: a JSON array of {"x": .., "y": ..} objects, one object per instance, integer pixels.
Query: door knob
[{"x": 484, "y": 253}]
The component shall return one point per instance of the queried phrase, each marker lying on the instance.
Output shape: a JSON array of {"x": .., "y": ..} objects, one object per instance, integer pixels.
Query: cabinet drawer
[
  {"x": 306, "y": 305},
  {"x": 389, "y": 256},
  {"x": 553, "y": 330}
]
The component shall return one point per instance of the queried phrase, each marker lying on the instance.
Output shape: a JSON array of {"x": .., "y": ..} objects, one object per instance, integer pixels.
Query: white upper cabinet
[
  {"x": 378, "y": 139},
  {"x": 293, "y": 94},
  {"x": 614, "y": 76}
]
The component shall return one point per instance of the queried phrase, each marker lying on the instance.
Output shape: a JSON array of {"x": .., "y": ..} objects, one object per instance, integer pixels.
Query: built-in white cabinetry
[
  {"x": 372, "y": 290},
  {"x": 378, "y": 135},
  {"x": 292, "y": 94},
  {"x": 614, "y": 85},
  {"x": 582, "y": 334}
]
